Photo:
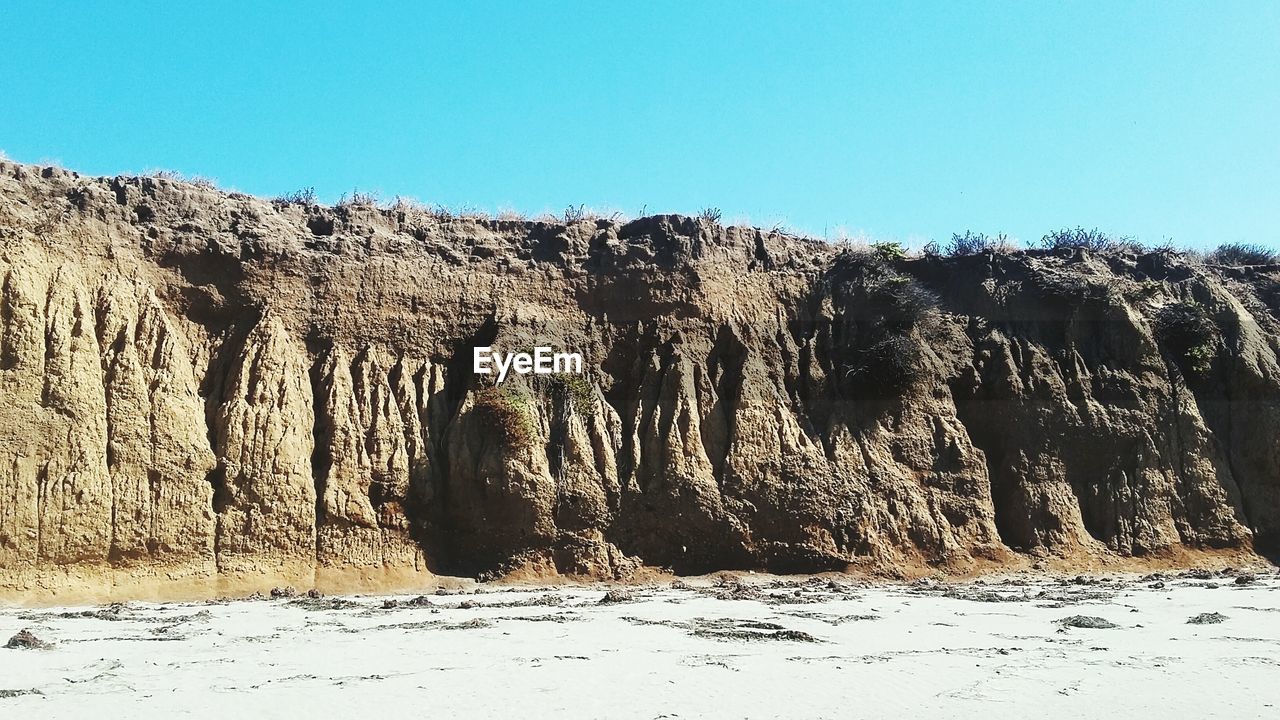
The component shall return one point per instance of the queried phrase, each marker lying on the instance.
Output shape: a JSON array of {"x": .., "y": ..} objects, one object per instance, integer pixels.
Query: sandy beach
[{"x": 1196, "y": 644}]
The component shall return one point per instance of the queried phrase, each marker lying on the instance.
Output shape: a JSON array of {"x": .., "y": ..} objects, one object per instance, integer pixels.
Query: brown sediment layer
[
  {"x": 204, "y": 388},
  {"x": 75, "y": 585}
]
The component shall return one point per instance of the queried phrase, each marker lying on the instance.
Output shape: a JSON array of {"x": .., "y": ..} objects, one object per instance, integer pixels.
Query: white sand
[{"x": 880, "y": 651}]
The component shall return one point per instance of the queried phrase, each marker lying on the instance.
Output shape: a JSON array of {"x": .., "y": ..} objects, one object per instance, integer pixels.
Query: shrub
[
  {"x": 1094, "y": 240},
  {"x": 440, "y": 213},
  {"x": 1237, "y": 254},
  {"x": 1189, "y": 335},
  {"x": 868, "y": 287},
  {"x": 711, "y": 215},
  {"x": 1074, "y": 288},
  {"x": 904, "y": 301},
  {"x": 879, "y": 308},
  {"x": 358, "y": 199},
  {"x": 407, "y": 206},
  {"x": 414, "y": 216},
  {"x": 507, "y": 410},
  {"x": 972, "y": 243},
  {"x": 175, "y": 176},
  {"x": 471, "y": 212},
  {"x": 892, "y": 362},
  {"x": 583, "y": 213},
  {"x": 888, "y": 251},
  {"x": 304, "y": 196},
  {"x": 578, "y": 391},
  {"x": 1129, "y": 245}
]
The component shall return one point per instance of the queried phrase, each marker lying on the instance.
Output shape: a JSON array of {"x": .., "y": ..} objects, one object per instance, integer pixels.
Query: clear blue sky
[{"x": 905, "y": 121}]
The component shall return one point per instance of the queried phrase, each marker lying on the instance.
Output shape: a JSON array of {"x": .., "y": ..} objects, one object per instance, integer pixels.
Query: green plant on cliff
[
  {"x": 578, "y": 390},
  {"x": 1189, "y": 335},
  {"x": 508, "y": 410},
  {"x": 1200, "y": 359},
  {"x": 889, "y": 251}
]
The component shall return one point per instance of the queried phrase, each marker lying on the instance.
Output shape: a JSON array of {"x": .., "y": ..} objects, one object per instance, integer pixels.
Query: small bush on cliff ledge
[
  {"x": 1189, "y": 335},
  {"x": 877, "y": 344},
  {"x": 906, "y": 303},
  {"x": 578, "y": 390},
  {"x": 507, "y": 410},
  {"x": 875, "y": 295},
  {"x": 891, "y": 363}
]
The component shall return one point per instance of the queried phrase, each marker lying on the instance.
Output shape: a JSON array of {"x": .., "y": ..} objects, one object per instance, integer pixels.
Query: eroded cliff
[{"x": 212, "y": 388}]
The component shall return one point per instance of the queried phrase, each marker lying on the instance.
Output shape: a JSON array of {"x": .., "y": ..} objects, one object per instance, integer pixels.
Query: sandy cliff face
[{"x": 203, "y": 387}]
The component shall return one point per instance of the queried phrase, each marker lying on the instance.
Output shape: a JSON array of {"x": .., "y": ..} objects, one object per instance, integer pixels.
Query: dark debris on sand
[
  {"x": 18, "y": 693},
  {"x": 310, "y": 602},
  {"x": 25, "y": 640},
  {"x": 730, "y": 629},
  {"x": 1089, "y": 622},
  {"x": 617, "y": 595},
  {"x": 1210, "y": 618}
]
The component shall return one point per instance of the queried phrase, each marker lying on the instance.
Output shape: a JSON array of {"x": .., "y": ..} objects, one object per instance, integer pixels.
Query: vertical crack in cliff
[{"x": 226, "y": 349}]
